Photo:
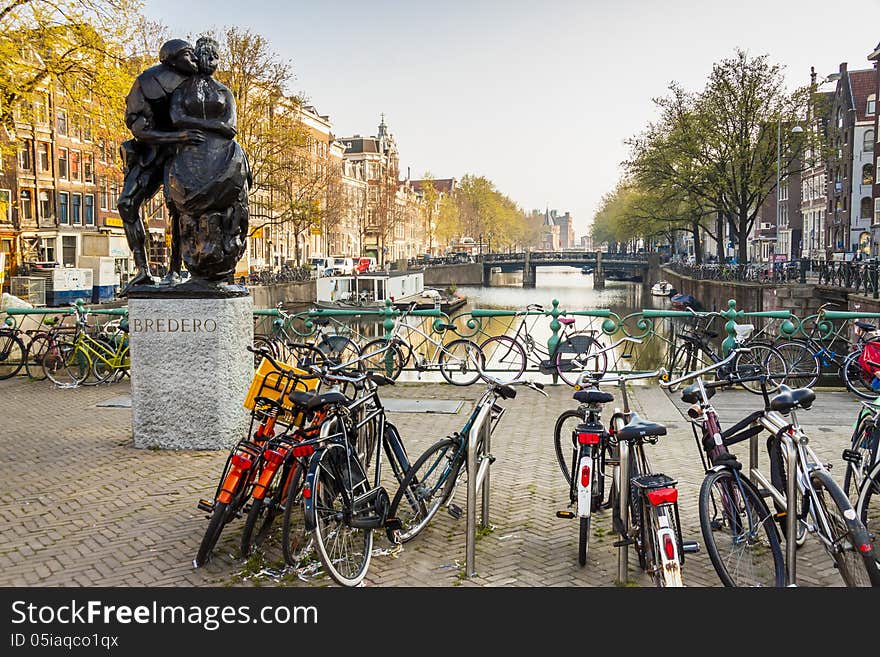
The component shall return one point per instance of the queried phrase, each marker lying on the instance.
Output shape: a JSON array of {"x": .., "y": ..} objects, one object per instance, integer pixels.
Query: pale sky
[{"x": 538, "y": 96}]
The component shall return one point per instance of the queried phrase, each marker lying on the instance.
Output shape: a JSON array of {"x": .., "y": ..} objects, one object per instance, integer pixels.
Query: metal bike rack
[
  {"x": 478, "y": 476},
  {"x": 621, "y": 482}
]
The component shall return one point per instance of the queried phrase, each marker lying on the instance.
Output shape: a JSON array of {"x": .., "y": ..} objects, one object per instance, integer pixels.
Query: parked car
[
  {"x": 365, "y": 264},
  {"x": 320, "y": 266},
  {"x": 342, "y": 266}
]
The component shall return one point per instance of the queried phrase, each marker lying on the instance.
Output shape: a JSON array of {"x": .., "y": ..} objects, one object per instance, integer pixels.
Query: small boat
[
  {"x": 586, "y": 269},
  {"x": 495, "y": 270},
  {"x": 431, "y": 298},
  {"x": 684, "y": 302},
  {"x": 662, "y": 289}
]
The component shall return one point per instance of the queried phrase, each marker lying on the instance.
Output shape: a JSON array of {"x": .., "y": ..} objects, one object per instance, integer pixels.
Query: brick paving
[{"x": 80, "y": 506}]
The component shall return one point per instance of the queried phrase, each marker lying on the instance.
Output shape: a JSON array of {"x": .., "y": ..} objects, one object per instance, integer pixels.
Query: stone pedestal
[{"x": 190, "y": 371}]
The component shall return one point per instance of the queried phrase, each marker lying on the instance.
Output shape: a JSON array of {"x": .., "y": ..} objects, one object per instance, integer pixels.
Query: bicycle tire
[
  {"x": 339, "y": 350},
  {"x": 37, "y": 349},
  {"x": 583, "y": 541},
  {"x": 12, "y": 354},
  {"x": 296, "y": 543},
  {"x": 663, "y": 577},
  {"x": 868, "y": 505},
  {"x": 854, "y": 553},
  {"x": 69, "y": 366},
  {"x": 580, "y": 352},
  {"x": 762, "y": 359},
  {"x": 461, "y": 362},
  {"x": 856, "y": 380},
  {"x": 381, "y": 360},
  {"x": 219, "y": 519},
  {"x": 263, "y": 511},
  {"x": 103, "y": 372},
  {"x": 425, "y": 499},
  {"x": 264, "y": 342},
  {"x": 680, "y": 363},
  {"x": 865, "y": 439},
  {"x": 505, "y": 358},
  {"x": 747, "y": 523},
  {"x": 562, "y": 436},
  {"x": 329, "y": 490},
  {"x": 802, "y": 365}
]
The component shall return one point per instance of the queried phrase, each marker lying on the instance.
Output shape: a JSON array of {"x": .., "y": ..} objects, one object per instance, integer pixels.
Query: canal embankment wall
[
  {"x": 269, "y": 296},
  {"x": 446, "y": 275}
]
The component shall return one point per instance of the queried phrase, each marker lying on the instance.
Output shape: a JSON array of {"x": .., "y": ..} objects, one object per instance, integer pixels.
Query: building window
[
  {"x": 44, "y": 156},
  {"x": 88, "y": 167},
  {"x": 68, "y": 250},
  {"x": 26, "y": 205},
  {"x": 62, "y": 163},
  {"x": 114, "y": 194},
  {"x": 41, "y": 109},
  {"x": 868, "y": 174},
  {"x": 47, "y": 249},
  {"x": 77, "y": 209},
  {"x": 877, "y": 210},
  {"x": 87, "y": 129},
  {"x": 63, "y": 208},
  {"x": 872, "y": 104},
  {"x": 24, "y": 155},
  {"x": 105, "y": 193},
  {"x": 75, "y": 169},
  {"x": 866, "y": 207},
  {"x": 6, "y": 206},
  {"x": 868, "y": 142},
  {"x": 62, "y": 122},
  {"x": 45, "y": 206},
  {"x": 89, "y": 200}
]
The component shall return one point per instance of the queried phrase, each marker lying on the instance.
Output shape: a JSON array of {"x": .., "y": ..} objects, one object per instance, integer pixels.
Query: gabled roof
[
  {"x": 863, "y": 84},
  {"x": 444, "y": 185},
  {"x": 360, "y": 144}
]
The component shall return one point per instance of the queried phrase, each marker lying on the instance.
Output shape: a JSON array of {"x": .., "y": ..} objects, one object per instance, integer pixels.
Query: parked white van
[{"x": 342, "y": 266}]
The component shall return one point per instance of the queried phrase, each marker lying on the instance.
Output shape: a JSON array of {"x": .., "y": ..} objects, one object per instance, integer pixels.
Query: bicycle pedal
[
  {"x": 624, "y": 542},
  {"x": 715, "y": 525},
  {"x": 454, "y": 510},
  {"x": 393, "y": 524},
  {"x": 565, "y": 514},
  {"x": 206, "y": 505},
  {"x": 852, "y": 456},
  {"x": 690, "y": 547}
]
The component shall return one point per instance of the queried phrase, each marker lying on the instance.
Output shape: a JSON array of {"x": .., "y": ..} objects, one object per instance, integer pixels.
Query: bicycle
[
  {"x": 72, "y": 363},
  {"x": 737, "y": 526},
  {"x": 696, "y": 352},
  {"x": 12, "y": 352},
  {"x": 432, "y": 480},
  {"x": 825, "y": 509},
  {"x": 460, "y": 361},
  {"x": 644, "y": 503},
  {"x": 285, "y": 342},
  {"x": 575, "y": 352},
  {"x": 862, "y": 479}
]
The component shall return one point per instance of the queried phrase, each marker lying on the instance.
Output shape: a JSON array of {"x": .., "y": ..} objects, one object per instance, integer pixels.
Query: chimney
[{"x": 812, "y": 76}]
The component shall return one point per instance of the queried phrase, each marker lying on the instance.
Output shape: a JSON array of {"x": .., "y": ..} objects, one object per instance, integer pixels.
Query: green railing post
[
  {"x": 731, "y": 314},
  {"x": 553, "y": 340}
]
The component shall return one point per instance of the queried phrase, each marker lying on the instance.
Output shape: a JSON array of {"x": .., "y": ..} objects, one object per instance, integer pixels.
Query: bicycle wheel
[
  {"x": 865, "y": 439},
  {"x": 263, "y": 342},
  {"x": 382, "y": 357},
  {"x": 265, "y": 510},
  {"x": 505, "y": 358},
  {"x": 739, "y": 532},
  {"x": 37, "y": 349},
  {"x": 104, "y": 371},
  {"x": 856, "y": 379},
  {"x": 868, "y": 506},
  {"x": 579, "y": 353},
  {"x": 68, "y": 366},
  {"x": 304, "y": 356},
  {"x": 461, "y": 362},
  {"x": 296, "y": 542},
  {"x": 12, "y": 354},
  {"x": 564, "y": 441},
  {"x": 340, "y": 349},
  {"x": 344, "y": 550},
  {"x": 850, "y": 546},
  {"x": 802, "y": 365},
  {"x": 684, "y": 360},
  {"x": 219, "y": 517},
  {"x": 762, "y": 359},
  {"x": 583, "y": 540},
  {"x": 426, "y": 487}
]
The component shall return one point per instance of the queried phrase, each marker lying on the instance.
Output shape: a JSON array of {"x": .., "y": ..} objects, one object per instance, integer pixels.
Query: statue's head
[
  {"x": 179, "y": 55},
  {"x": 207, "y": 55}
]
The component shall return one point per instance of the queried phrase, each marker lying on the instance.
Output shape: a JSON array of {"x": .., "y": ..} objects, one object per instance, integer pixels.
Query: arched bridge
[{"x": 614, "y": 266}]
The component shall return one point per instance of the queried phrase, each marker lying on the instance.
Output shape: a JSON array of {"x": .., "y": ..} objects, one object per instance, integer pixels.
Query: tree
[
  {"x": 430, "y": 198},
  {"x": 717, "y": 148}
]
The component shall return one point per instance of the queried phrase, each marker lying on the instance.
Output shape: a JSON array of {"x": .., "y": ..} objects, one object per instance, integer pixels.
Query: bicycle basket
[
  {"x": 576, "y": 344},
  {"x": 869, "y": 360},
  {"x": 276, "y": 384}
]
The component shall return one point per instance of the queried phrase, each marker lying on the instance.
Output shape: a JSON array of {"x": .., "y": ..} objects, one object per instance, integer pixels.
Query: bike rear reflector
[
  {"x": 273, "y": 457},
  {"x": 865, "y": 547},
  {"x": 304, "y": 450},
  {"x": 241, "y": 461},
  {"x": 307, "y": 492},
  {"x": 588, "y": 438},
  {"x": 585, "y": 476},
  {"x": 660, "y": 496},
  {"x": 668, "y": 546}
]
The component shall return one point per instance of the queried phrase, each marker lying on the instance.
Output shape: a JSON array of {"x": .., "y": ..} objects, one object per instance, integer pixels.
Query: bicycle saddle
[
  {"x": 593, "y": 397},
  {"x": 691, "y": 394},
  {"x": 639, "y": 428},
  {"x": 788, "y": 399},
  {"x": 566, "y": 321},
  {"x": 865, "y": 326},
  {"x": 312, "y": 402},
  {"x": 321, "y": 321}
]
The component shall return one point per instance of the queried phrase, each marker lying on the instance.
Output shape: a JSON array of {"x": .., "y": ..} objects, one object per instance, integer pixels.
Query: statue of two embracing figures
[{"x": 184, "y": 125}]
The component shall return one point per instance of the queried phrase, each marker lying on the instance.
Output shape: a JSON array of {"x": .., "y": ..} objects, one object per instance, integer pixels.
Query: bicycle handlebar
[{"x": 585, "y": 380}]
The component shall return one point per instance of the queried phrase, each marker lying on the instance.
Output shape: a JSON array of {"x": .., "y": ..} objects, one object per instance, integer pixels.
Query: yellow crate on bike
[{"x": 275, "y": 384}]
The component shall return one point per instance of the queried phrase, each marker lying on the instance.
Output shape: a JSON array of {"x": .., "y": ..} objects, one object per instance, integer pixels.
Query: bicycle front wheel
[
  {"x": 579, "y": 353},
  {"x": 856, "y": 379},
  {"x": 383, "y": 358},
  {"x": 461, "y": 362},
  {"x": 802, "y": 365},
  {"x": 762, "y": 359},
  {"x": 505, "y": 358},
  {"x": 850, "y": 546},
  {"x": 426, "y": 487},
  {"x": 12, "y": 355},
  {"x": 344, "y": 550},
  {"x": 739, "y": 532}
]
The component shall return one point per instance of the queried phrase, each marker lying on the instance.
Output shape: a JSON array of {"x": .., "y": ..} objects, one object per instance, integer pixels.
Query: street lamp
[{"x": 796, "y": 130}]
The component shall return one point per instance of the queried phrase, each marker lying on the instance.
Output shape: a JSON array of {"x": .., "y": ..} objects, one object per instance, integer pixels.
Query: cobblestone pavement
[{"x": 80, "y": 506}]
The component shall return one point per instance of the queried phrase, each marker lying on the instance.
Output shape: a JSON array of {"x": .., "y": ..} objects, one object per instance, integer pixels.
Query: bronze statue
[{"x": 184, "y": 122}]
